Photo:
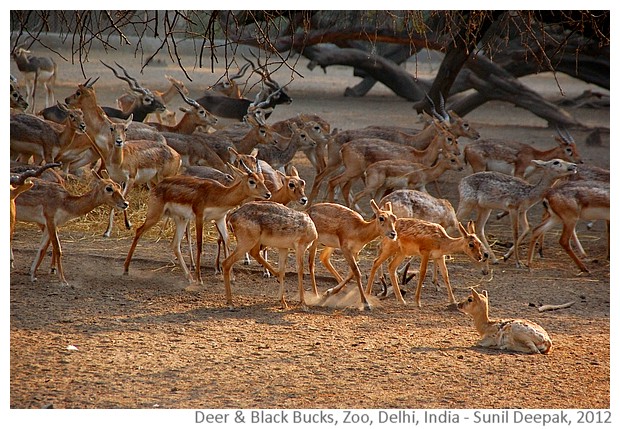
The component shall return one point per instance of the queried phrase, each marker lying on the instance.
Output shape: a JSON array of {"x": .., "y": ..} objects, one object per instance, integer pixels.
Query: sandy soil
[{"x": 150, "y": 340}]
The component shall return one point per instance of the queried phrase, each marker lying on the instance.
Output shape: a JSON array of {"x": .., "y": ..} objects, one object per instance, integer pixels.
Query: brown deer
[
  {"x": 566, "y": 204},
  {"x": 50, "y": 206},
  {"x": 183, "y": 198},
  {"x": 339, "y": 227},
  {"x": 519, "y": 335},
  {"x": 267, "y": 224},
  {"x": 430, "y": 241},
  {"x": 391, "y": 174}
]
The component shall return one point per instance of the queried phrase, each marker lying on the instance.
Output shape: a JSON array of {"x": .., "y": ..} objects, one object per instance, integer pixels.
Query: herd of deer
[{"x": 241, "y": 177}]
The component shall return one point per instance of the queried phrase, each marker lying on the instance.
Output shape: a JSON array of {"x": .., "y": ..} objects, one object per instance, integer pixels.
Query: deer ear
[{"x": 374, "y": 206}]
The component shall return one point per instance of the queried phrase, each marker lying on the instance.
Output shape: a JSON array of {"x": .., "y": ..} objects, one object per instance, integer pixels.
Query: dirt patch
[{"x": 150, "y": 340}]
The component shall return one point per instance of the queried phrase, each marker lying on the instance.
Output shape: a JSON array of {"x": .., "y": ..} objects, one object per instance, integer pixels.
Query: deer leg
[
  {"x": 392, "y": 267},
  {"x": 324, "y": 256},
  {"x": 355, "y": 271},
  {"x": 311, "y": 260},
  {"x": 45, "y": 241},
  {"x": 152, "y": 217},
  {"x": 182, "y": 226},
  {"x": 220, "y": 224},
  {"x": 57, "y": 251},
  {"x": 383, "y": 256},
  {"x": 241, "y": 249},
  {"x": 108, "y": 231},
  {"x": 538, "y": 234},
  {"x": 565, "y": 243},
  {"x": 423, "y": 266},
  {"x": 481, "y": 220},
  {"x": 443, "y": 269},
  {"x": 299, "y": 253}
]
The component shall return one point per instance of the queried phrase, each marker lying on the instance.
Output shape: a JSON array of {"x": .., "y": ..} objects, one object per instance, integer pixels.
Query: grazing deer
[
  {"x": 430, "y": 241},
  {"x": 491, "y": 190},
  {"x": 36, "y": 69},
  {"x": 567, "y": 203},
  {"x": 515, "y": 158},
  {"x": 519, "y": 335},
  {"x": 50, "y": 206},
  {"x": 339, "y": 227},
  {"x": 391, "y": 174},
  {"x": 269, "y": 224},
  {"x": 43, "y": 140},
  {"x": 185, "y": 197},
  {"x": 137, "y": 162}
]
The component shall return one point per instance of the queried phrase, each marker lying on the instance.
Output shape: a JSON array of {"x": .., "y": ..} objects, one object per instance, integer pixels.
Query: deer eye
[
  {"x": 252, "y": 182},
  {"x": 556, "y": 162},
  {"x": 381, "y": 219},
  {"x": 291, "y": 185},
  {"x": 470, "y": 299},
  {"x": 109, "y": 189},
  {"x": 569, "y": 151},
  {"x": 471, "y": 245}
]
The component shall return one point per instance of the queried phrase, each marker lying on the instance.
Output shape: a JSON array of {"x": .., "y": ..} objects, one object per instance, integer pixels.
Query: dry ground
[{"x": 150, "y": 340}]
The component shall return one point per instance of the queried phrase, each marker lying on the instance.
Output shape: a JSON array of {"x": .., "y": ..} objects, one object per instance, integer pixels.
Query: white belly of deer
[
  {"x": 501, "y": 166},
  {"x": 145, "y": 175},
  {"x": 595, "y": 213},
  {"x": 179, "y": 210}
]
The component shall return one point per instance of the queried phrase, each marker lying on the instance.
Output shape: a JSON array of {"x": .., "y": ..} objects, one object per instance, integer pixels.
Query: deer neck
[
  {"x": 426, "y": 136},
  {"x": 429, "y": 155},
  {"x": 481, "y": 320},
  {"x": 77, "y": 206}
]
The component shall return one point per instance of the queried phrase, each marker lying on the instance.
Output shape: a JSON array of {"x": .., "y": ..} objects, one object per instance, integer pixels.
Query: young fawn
[
  {"x": 430, "y": 241},
  {"x": 517, "y": 335},
  {"x": 269, "y": 224}
]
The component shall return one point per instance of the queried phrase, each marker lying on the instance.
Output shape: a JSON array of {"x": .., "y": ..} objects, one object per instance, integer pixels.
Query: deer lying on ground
[
  {"x": 339, "y": 227},
  {"x": 184, "y": 198},
  {"x": 50, "y": 206},
  {"x": 519, "y": 335},
  {"x": 430, "y": 241},
  {"x": 567, "y": 203},
  {"x": 491, "y": 190},
  {"x": 269, "y": 224}
]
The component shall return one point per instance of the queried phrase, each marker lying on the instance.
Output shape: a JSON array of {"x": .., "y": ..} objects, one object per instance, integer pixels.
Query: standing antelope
[
  {"x": 430, "y": 241},
  {"x": 269, "y": 224},
  {"x": 357, "y": 155},
  {"x": 391, "y": 174},
  {"x": 515, "y": 158},
  {"x": 50, "y": 206},
  {"x": 43, "y": 140},
  {"x": 185, "y": 197},
  {"x": 126, "y": 101},
  {"x": 519, "y": 335},
  {"x": 490, "y": 190},
  {"x": 137, "y": 162},
  {"x": 278, "y": 158},
  {"x": 36, "y": 69},
  {"x": 567, "y": 203},
  {"x": 146, "y": 102},
  {"x": 339, "y": 227}
]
